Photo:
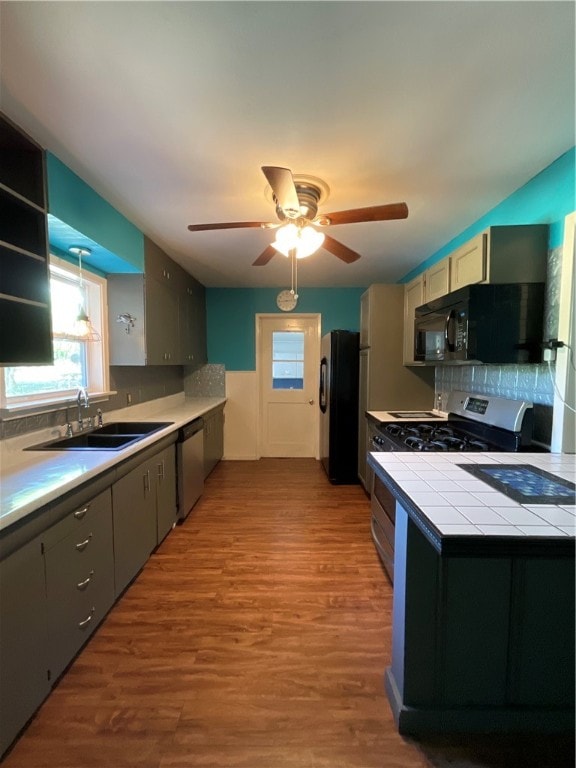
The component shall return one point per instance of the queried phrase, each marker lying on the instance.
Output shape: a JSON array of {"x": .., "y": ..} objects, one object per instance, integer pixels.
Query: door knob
[{"x": 311, "y": 402}]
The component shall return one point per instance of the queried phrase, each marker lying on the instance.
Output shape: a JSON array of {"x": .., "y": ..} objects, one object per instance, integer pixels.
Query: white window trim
[{"x": 99, "y": 365}]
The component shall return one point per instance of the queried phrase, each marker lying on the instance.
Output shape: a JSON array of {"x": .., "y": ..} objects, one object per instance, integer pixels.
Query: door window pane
[{"x": 288, "y": 360}]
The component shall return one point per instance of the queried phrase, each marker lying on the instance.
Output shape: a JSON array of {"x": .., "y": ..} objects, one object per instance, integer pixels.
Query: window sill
[{"x": 35, "y": 407}]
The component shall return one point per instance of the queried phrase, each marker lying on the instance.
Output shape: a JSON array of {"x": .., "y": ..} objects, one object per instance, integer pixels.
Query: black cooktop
[
  {"x": 413, "y": 414},
  {"x": 524, "y": 483}
]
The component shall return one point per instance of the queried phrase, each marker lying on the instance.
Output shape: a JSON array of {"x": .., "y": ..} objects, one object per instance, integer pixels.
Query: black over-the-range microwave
[{"x": 496, "y": 323}]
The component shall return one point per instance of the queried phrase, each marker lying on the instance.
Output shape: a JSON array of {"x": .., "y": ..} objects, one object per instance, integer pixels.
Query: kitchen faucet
[{"x": 82, "y": 399}]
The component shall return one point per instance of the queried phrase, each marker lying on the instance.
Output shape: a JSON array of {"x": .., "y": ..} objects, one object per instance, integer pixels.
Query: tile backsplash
[{"x": 132, "y": 385}]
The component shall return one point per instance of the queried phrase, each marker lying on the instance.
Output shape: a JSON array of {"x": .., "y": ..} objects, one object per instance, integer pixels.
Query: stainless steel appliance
[
  {"x": 475, "y": 423},
  {"x": 190, "y": 453},
  {"x": 500, "y": 323},
  {"x": 338, "y": 399}
]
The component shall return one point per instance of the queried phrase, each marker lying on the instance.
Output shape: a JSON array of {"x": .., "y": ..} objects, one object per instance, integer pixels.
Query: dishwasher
[{"x": 190, "y": 453}]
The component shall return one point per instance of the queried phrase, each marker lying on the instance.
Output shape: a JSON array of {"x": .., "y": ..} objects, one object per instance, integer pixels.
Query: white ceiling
[{"x": 169, "y": 109}]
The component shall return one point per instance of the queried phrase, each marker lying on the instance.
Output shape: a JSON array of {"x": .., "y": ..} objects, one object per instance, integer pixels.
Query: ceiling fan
[{"x": 297, "y": 199}]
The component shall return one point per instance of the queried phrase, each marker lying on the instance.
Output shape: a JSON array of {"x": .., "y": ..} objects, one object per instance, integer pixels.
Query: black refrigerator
[{"x": 338, "y": 400}]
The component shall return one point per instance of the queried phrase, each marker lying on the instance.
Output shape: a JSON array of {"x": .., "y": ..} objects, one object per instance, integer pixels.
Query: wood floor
[{"x": 255, "y": 637}]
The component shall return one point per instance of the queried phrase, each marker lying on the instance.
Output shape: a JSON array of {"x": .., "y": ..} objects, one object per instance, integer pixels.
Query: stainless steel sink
[{"x": 110, "y": 437}]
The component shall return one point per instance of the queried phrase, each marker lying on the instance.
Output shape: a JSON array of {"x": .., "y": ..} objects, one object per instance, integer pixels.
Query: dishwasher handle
[{"x": 190, "y": 429}]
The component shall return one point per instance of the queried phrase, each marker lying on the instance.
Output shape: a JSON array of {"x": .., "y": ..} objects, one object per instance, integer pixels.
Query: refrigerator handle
[{"x": 322, "y": 392}]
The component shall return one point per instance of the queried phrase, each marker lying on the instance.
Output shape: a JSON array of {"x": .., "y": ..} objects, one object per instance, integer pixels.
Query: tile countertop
[
  {"x": 459, "y": 512},
  {"x": 31, "y": 479}
]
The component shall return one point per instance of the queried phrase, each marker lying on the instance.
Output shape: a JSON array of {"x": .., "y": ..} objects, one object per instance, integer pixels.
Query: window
[
  {"x": 77, "y": 363},
  {"x": 287, "y": 360}
]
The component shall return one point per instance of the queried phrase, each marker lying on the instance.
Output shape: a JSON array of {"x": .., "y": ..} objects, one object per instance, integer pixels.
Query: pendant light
[{"x": 83, "y": 329}]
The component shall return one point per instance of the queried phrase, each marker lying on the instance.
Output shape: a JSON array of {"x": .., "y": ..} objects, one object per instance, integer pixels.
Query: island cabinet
[
  {"x": 168, "y": 309},
  {"x": 213, "y": 439},
  {"x": 24, "y": 680},
  {"x": 24, "y": 274},
  {"x": 79, "y": 556},
  {"x": 144, "y": 509},
  {"x": 481, "y": 642}
]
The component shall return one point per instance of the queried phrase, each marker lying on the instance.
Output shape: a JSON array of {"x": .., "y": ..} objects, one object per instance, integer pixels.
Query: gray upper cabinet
[
  {"x": 192, "y": 320},
  {"x": 24, "y": 275},
  {"x": 169, "y": 309}
]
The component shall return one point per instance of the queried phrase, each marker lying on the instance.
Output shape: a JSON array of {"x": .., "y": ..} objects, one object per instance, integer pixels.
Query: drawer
[{"x": 83, "y": 518}]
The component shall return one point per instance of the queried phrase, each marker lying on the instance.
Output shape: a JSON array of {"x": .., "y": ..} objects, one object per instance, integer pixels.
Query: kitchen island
[{"x": 483, "y": 617}]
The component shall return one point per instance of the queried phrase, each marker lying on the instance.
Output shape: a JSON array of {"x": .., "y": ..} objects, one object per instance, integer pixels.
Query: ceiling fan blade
[
  {"x": 372, "y": 213},
  {"x": 265, "y": 257},
  {"x": 340, "y": 250},
  {"x": 282, "y": 185},
  {"x": 228, "y": 225}
]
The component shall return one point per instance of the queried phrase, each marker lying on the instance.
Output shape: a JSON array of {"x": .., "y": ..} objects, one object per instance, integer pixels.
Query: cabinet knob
[
  {"x": 87, "y": 580},
  {"x": 87, "y": 620},
  {"x": 80, "y": 513},
  {"x": 83, "y": 544}
]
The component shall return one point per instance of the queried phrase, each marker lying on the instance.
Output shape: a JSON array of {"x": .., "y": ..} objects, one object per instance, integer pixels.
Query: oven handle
[{"x": 450, "y": 346}]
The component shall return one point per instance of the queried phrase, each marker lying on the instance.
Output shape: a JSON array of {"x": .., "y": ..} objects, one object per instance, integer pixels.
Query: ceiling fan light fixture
[{"x": 305, "y": 240}]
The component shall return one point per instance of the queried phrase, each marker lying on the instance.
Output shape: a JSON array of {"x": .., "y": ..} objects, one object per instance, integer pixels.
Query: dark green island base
[{"x": 483, "y": 636}]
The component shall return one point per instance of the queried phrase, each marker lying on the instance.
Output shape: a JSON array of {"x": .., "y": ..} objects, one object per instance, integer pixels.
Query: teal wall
[
  {"x": 79, "y": 216},
  {"x": 545, "y": 199},
  {"x": 232, "y": 326}
]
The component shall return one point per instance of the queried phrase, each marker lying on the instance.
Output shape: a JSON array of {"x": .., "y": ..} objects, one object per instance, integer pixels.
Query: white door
[{"x": 288, "y": 360}]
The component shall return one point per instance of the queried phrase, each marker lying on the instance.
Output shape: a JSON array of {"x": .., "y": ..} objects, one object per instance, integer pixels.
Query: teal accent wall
[
  {"x": 546, "y": 199},
  {"x": 79, "y": 216},
  {"x": 232, "y": 326}
]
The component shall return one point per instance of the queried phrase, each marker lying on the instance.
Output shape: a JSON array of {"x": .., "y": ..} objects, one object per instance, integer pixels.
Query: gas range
[
  {"x": 431, "y": 437},
  {"x": 475, "y": 423}
]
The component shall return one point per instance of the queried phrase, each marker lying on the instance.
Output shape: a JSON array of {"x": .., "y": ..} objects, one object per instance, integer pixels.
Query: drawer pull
[
  {"x": 161, "y": 471},
  {"x": 80, "y": 513},
  {"x": 87, "y": 580},
  {"x": 87, "y": 620},
  {"x": 83, "y": 544}
]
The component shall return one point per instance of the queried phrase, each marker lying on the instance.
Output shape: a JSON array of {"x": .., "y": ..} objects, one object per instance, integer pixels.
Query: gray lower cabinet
[
  {"x": 213, "y": 439},
  {"x": 144, "y": 504},
  {"x": 23, "y": 648},
  {"x": 62, "y": 568},
  {"x": 79, "y": 558},
  {"x": 165, "y": 492}
]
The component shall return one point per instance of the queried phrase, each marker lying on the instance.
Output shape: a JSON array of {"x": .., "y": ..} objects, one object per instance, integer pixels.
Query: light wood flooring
[{"x": 255, "y": 637}]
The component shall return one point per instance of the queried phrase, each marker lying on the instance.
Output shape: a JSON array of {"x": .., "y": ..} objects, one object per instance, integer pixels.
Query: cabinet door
[
  {"x": 413, "y": 297},
  {"x": 134, "y": 518},
  {"x": 437, "y": 281},
  {"x": 165, "y": 465},
  {"x": 162, "y": 344},
  {"x": 213, "y": 440},
  {"x": 23, "y": 660},
  {"x": 468, "y": 263},
  {"x": 79, "y": 580},
  {"x": 192, "y": 318}
]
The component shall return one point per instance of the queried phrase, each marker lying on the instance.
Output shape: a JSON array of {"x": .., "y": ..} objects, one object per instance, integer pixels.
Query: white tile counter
[
  {"x": 454, "y": 509},
  {"x": 31, "y": 479}
]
